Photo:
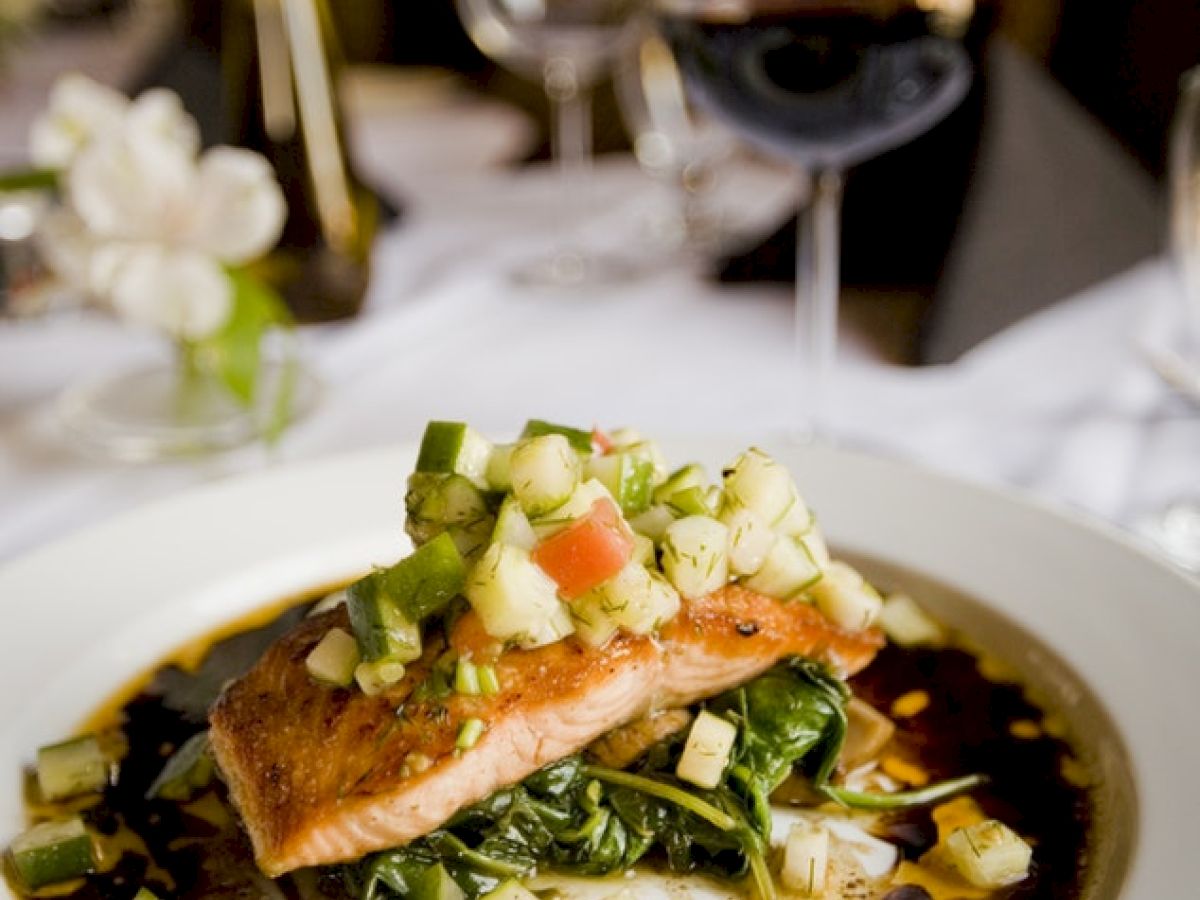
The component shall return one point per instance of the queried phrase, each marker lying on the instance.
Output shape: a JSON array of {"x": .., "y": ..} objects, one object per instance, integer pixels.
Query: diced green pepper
[
  {"x": 189, "y": 771},
  {"x": 53, "y": 852},
  {"x": 579, "y": 439}
]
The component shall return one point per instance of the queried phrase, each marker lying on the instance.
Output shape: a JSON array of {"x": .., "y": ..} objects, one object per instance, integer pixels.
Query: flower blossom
[{"x": 149, "y": 223}]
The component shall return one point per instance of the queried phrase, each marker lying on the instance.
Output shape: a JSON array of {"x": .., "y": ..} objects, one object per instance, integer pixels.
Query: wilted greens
[{"x": 589, "y": 820}]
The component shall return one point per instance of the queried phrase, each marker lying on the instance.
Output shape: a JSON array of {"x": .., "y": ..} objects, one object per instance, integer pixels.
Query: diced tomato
[
  {"x": 587, "y": 552},
  {"x": 601, "y": 442}
]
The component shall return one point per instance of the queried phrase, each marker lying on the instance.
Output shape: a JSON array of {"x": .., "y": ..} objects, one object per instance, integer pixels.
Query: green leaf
[
  {"x": 28, "y": 180},
  {"x": 234, "y": 354}
]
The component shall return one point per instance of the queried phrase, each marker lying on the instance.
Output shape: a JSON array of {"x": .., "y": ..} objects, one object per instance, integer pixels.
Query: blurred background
[
  {"x": 1017, "y": 165},
  {"x": 1045, "y": 181}
]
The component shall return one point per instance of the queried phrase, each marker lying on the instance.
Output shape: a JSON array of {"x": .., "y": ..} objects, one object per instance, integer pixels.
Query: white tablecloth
[{"x": 1060, "y": 405}]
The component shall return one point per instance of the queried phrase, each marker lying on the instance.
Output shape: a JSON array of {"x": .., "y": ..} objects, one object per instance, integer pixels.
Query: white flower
[
  {"x": 181, "y": 292},
  {"x": 133, "y": 187},
  {"x": 157, "y": 115},
  {"x": 148, "y": 225},
  {"x": 80, "y": 111},
  {"x": 239, "y": 208}
]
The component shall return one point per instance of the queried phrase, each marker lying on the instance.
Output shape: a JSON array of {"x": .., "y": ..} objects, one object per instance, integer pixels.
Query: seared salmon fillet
[{"x": 324, "y": 775}]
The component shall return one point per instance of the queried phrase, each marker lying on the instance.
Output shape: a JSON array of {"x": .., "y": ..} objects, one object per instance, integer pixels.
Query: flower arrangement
[{"x": 157, "y": 231}]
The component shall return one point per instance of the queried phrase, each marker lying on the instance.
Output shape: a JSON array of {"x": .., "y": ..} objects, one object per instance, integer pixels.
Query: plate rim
[{"x": 1142, "y": 876}]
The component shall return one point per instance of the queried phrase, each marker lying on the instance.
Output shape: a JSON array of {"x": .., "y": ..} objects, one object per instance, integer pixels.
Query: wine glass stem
[
  {"x": 571, "y": 129},
  {"x": 818, "y": 258}
]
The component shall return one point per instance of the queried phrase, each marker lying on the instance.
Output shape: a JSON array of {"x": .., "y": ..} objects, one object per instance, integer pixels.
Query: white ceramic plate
[{"x": 84, "y": 615}]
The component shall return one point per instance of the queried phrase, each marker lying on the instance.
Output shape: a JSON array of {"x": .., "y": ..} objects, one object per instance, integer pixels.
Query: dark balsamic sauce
[
  {"x": 197, "y": 850},
  {"x": 966, "y": 728}
]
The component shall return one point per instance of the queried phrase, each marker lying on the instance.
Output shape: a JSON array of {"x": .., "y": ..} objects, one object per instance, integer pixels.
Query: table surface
[{"x": 1061, "y": 405}]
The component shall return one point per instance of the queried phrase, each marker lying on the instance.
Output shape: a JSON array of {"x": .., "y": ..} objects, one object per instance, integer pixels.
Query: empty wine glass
[
  {"x": 567, "y": 45},
  {"x": 672, "y": 140},
  {"x": 824, "y": 84}
]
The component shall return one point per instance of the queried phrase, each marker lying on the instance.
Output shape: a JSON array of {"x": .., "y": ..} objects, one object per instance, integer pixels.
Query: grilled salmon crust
[{"x": 324, "y": 775}]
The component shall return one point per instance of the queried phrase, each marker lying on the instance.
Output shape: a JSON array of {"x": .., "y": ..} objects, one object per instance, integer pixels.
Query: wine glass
[
  {"x": 673, "y": 141},
  {"x": 568, "y": 45},
  {"x": 1176, "y": 530},
  {"x": 824, "y": 84}
]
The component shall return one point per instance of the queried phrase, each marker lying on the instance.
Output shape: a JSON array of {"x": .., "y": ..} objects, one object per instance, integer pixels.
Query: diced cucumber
[
  {"x": 906, "y": 624},
  {"x": 639, "y": 600},
  {"x": 707, "y": 750},
  {"x": 383, "y": 632},
  {"x": 189, "y": 770},
  {"x": 692, "y": 501},
  {"x": 624, "y": 437},
  {"x": 435, "y": 883},
  {"x": 544, "y": 471},
  {"x": 454, "y": 447},
  {"x": 797, "y": 520},
  {"x": 817, "y": 548},
  {"x": 787, "y": 571},
  {"x": 376, "y": 676},
  {"x": 846, "y": 598},
  {"x": 594, "y": 624},
  {"x": 806, "y": 859},
  {"x": 989, "y": 854},
  {"x": 327, "y": 603},
  {"x": 689, "y": 476},
  {"x": 578, "y": 505},
  {"x": 643, "y": 550},
  {"x": 421, "y": 485},
  {"x": 653, "y": 523},
  {"x": 455, "y": 501},
  {"x": 758, "y": 482},
  {"x": 426, "y": 580},
  {"x": 579, "y": 438},
  {"x": 472, "y": 540},
  {"x": 73, "y": 767},
  {"x": 510, "y": 890},
  {"x": 512, "y": 526},
  {"x": 695, "y": 556},
  {"x": 628, "y": 478},
  {"x": 499, "y": 474},
  {"x": 649, "y": 451},
  {"x": 334, "y": 658},
  {"x": 53, "y": 852},
  {"x": 515, "y": 599},
  {"x": 750, "y": 539}
]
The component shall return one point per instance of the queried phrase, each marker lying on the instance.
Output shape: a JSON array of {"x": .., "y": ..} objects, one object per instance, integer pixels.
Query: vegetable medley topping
[{"x": 570, "y": 531}]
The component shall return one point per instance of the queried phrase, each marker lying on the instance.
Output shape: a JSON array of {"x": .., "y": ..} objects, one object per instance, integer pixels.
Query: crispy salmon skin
[{"x": 324, "y": 775}]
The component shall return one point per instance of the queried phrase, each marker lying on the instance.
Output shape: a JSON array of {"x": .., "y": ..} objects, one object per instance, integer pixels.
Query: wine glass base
[
  {"x": 1175, "y": 532},
  {"x": 160, "y": 412},
  {"x": 575, "y": 269}
]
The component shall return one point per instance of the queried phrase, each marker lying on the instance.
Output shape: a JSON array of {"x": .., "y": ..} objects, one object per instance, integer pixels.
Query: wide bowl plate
[{"x": 83, "y": 616}]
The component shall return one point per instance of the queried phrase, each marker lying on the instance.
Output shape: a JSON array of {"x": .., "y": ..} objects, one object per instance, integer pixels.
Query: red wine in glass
[{"x": 825, "y": 85}]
